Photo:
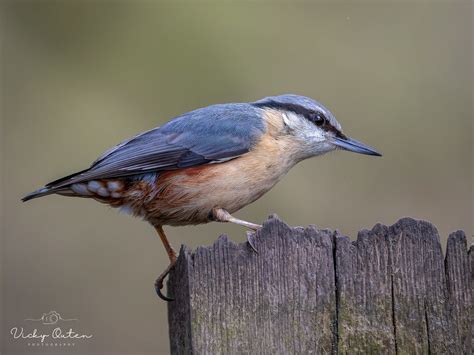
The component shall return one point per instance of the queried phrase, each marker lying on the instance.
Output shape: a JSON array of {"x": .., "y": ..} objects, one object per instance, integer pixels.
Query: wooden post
[{"x": 311, "y": 291}]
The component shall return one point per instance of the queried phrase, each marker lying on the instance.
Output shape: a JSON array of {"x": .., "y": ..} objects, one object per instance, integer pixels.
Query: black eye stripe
[
  {"x": 300, "y": 110},
  {"x": 315, "y": 117}
]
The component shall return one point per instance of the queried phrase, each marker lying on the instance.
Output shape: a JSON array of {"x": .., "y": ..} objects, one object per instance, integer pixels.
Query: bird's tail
[
  {"x": 38, "y": 193},
  {"x": 45, "y": 191},
  {"x": 60, "y": 186}
]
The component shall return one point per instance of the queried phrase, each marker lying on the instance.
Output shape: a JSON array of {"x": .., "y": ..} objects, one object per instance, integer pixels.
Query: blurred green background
[{"x": 79, "y": 77}]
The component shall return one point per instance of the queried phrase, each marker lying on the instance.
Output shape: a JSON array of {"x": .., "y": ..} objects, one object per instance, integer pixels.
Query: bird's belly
[{"x": 187, "y": 196}]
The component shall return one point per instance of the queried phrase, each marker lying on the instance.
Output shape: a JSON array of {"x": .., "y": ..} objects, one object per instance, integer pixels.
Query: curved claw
[
  {"x": 158, "y": 287},
  {"x": 159, "y": 282},
  {"x": 250, "y": 241}
]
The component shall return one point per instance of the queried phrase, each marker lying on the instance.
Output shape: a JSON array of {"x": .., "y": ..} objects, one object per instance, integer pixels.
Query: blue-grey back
[{"x": 211, "y": 134}]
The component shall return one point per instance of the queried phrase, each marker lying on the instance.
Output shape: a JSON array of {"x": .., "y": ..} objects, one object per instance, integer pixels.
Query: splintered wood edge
[{"x": 455, "y": 239}]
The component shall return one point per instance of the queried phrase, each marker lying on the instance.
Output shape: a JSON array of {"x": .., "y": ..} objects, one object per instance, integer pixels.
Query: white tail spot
[
  {"x": 114, "y": 185},
  {"x": 81, "y": 189},
  {"x": 94, "y": 185},
  {"x": 103, "y": 192}
]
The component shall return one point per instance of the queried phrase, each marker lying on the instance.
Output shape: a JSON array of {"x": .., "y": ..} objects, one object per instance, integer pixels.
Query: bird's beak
[{"x": 354, "y": 146}]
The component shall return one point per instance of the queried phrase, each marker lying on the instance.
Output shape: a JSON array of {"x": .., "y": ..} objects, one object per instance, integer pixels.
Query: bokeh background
[{"x": 79, "y": 77}]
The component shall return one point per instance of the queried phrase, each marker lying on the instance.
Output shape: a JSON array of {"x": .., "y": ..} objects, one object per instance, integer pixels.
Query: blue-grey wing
[{"x": 212, "y": 134}]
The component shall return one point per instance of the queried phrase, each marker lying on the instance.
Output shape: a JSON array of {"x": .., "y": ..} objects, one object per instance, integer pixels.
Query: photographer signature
[{"x": 57, "y": 333}]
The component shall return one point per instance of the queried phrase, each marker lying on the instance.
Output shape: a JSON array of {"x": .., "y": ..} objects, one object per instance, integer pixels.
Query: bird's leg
[
  {"x": 221, "y": 215},
  {"x": 173, "y": 258}
]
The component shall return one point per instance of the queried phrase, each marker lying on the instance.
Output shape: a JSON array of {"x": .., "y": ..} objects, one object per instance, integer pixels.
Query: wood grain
[{"x": 311, "y": 291}]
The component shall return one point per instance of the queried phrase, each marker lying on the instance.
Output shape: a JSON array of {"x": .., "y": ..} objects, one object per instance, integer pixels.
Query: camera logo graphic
[{"x": 50, "y": 318}]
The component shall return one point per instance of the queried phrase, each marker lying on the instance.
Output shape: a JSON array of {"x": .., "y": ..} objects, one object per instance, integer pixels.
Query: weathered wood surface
[{"x": 311, "y": 291}]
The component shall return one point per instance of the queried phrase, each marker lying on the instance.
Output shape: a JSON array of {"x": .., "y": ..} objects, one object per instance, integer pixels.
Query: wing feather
[{"x": 208, "y": 135}]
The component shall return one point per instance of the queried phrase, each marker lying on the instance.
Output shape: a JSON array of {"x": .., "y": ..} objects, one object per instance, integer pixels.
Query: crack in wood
[
  {"x": 336, "y": 288},
  {"x": 394, "y": 322},
  {"x": 427, "y": 330}
]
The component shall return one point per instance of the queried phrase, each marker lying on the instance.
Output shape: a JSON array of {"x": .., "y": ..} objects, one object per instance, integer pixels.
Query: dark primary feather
[{"x": 208, "y": 135}]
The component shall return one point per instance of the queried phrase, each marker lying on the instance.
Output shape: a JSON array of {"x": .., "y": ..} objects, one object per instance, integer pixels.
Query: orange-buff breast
[{"x": 186, "y": 196}]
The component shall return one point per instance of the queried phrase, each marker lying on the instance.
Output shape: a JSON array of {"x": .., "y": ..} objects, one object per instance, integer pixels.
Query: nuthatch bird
[{"x": 206, "y": 164}]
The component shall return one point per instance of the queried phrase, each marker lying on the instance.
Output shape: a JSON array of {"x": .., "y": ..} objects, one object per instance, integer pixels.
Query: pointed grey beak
[{"x": 354, "y": 146}]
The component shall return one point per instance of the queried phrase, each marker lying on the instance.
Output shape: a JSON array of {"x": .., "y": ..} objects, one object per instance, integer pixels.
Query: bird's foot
[
  {"x": 221, "y": 215},
  {"x": 173, "y": 258},
  {"x": 251, "y": 236},
  {"x": 159, "y": 282}
]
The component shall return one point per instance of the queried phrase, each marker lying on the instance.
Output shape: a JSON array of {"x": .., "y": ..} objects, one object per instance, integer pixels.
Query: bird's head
[{"x": 312, "y": 125}]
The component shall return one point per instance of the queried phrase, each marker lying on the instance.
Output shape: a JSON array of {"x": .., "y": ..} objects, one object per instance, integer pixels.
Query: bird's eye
[{"x": 318, "y": 118}]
